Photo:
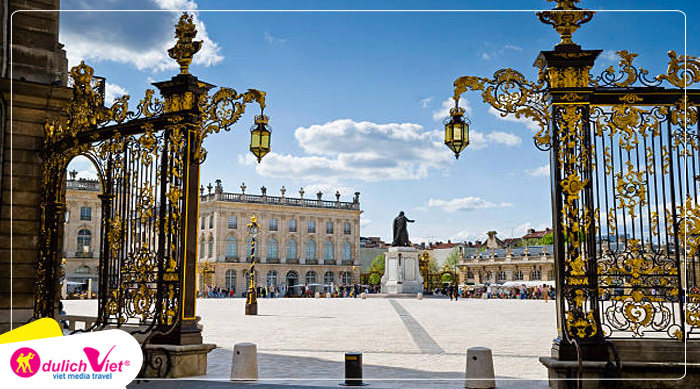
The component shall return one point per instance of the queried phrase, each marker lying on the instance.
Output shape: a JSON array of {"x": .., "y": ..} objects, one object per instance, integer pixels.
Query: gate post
[
  {"x": 579, "y": 334},
  {"x": 182, "y": 95}
]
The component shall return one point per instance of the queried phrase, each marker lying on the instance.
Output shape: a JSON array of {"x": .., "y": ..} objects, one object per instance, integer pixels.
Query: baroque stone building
[
  {"x": 81, "y": 234},
  {"x": 300, "y": 241}
]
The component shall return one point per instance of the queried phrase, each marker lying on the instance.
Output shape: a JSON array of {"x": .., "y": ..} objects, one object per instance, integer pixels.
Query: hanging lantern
[
  {"x": 457, "y": 130},
  {"x": 260, "y": 137}
]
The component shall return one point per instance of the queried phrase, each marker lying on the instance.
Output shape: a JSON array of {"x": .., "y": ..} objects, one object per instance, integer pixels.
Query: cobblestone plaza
[{"x": 415, "y": 342}]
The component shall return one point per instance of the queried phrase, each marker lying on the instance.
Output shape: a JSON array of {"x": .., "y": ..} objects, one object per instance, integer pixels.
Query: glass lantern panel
[
  {"x": 458, "y": 129},
  {"x": 448, "y": 132},
  {"x": 254, "y": 140}
]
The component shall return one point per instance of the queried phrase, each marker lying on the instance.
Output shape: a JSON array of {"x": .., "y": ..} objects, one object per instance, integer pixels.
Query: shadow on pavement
[{"x": 286, "y": 371}]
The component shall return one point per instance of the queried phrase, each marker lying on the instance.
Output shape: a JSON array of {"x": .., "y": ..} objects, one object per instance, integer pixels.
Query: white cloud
[
  {"x": 140, "y": 39},
  {"x": 112, "y": 91},
  {"x": 478, "y": 140},
  {"x": 273, "y": 40},
  {"x": 532, "y": 125},
  {"x": 485, "y": 56},
  {"x": 85, "y": 168},
  {"x": 512, "y": 47},
  {"x": 444, "y": 111},
  {"x": 538, "y": 171},
  {"x": 346, "y": 192},
  {"x": 609, "y": 55},
  {"x": 465, "y": 204},
  {"x": 345, "y": 149},
  {"x": 365, "y": 222},
  {"x": 426, "y": 102}
]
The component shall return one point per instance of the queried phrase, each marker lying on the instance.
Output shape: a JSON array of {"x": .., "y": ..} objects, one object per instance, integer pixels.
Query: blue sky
[{"x": 356, "y": 99}]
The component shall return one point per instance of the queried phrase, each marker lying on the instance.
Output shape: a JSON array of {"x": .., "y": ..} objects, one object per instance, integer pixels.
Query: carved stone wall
[{"x": 28, "y": 98}]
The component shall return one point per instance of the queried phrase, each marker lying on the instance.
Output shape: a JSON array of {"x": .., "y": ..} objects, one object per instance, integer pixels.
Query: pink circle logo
[{"x": 25, "y": 362}]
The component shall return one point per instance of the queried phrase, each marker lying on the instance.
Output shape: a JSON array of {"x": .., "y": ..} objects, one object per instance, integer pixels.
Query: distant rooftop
[
  {"x": 263, "y": 198},
  {"x": 84, "y": 184}
]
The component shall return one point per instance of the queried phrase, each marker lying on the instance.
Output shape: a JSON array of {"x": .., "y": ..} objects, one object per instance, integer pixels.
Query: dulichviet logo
[
  {"x": 25, "y": 362},
  {"x": 113, "y": 358}
]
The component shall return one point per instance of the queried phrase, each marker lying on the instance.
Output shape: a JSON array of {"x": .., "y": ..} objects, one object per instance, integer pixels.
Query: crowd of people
[
  {"x": 521, "y": 292},
  {"x": 292, "y": 291},
  {"x": 493, "y": 291}
]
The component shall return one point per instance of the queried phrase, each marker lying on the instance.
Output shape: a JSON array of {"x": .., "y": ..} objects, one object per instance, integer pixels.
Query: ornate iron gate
[
  {"x": 624, "y": 169},
  {"x": 148, "y": 163}
]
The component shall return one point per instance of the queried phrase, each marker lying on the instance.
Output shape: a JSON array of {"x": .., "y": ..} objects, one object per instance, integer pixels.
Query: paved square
[{"x": 303, "y": 340}]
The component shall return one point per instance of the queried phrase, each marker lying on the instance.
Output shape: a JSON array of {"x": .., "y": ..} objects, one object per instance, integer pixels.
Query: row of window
[
  {"x": 273, "y": 225},
  {"x": 502, "y": 276},
  {"x": 273, "y": 249},
  {"x": 291, "y": 278}
]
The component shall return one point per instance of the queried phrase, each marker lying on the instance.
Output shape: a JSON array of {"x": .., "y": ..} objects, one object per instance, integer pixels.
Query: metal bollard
[
  {"x": 479, "y": 372},
  {"x": 244, "y": 365},
  {"x": 353, "y": 369}
]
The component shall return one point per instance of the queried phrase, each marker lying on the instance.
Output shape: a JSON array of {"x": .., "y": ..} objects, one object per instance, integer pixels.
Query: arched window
[
  {"x": 347, "y": 251},
  {"x": 202, "y": 247},
  {"x": 231, "y": 247},
  {"x": 346, "y": 278},
  {"x": 230, "y": 279},
  {"x": 328, "y": 251},
  {"x": 292, "y": 249},
  {"x": 470, "y": 275},
  {"x": 328, "y": 278},
  {"x": 310, "y": 249},
  {"x": 84, "y": 240},
  {"x": 292, "y": 278},
  {"x": 536, "y": 275},
  {"x": 310, "y": 277},
  {"x": 272, "y": 278},
  {"x": 272, "y": 249},
  {"x": 82, "y": 270},
  {"x": 501, "y": 275},
  {"x": 517, "y": 275},
  {"x": 210, "y": 247}
]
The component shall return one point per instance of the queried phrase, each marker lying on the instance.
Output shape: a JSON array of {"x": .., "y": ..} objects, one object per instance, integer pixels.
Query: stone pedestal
[
  {"x": 175, "y": 361},
  {"x": 401, "y": 273},
  {"x": 645, "y": 364}
]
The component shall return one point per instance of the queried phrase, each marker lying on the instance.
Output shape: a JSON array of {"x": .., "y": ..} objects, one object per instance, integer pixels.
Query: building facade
[
  {"x": 499, "y": 266},
  {"x": 300, "y": 241},
  {"x": 81, "y": 233}
]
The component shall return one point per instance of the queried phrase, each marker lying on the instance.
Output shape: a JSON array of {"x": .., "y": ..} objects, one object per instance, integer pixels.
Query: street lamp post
[{"x": 251, "y": 303}]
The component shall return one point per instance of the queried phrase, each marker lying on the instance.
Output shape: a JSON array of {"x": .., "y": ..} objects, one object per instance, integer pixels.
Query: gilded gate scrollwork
[
  {"x": 624, "y": 181},
  {"x": 148, "y": 161}
]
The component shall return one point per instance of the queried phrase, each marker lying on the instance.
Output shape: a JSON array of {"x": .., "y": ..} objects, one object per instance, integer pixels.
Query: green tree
[
  {"x": 547, "y": 239},
  {"x": 452, "y": 259},
  {"x": 375, "y": 279},
  {"x": 377, "y": 264}
]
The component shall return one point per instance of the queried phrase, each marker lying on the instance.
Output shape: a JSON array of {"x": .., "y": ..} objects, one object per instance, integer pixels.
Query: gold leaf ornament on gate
[
  {"x": 186, "y": 47},
  {"x": 566, "y": 18},
  {"x": 683, "y": 71}
]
